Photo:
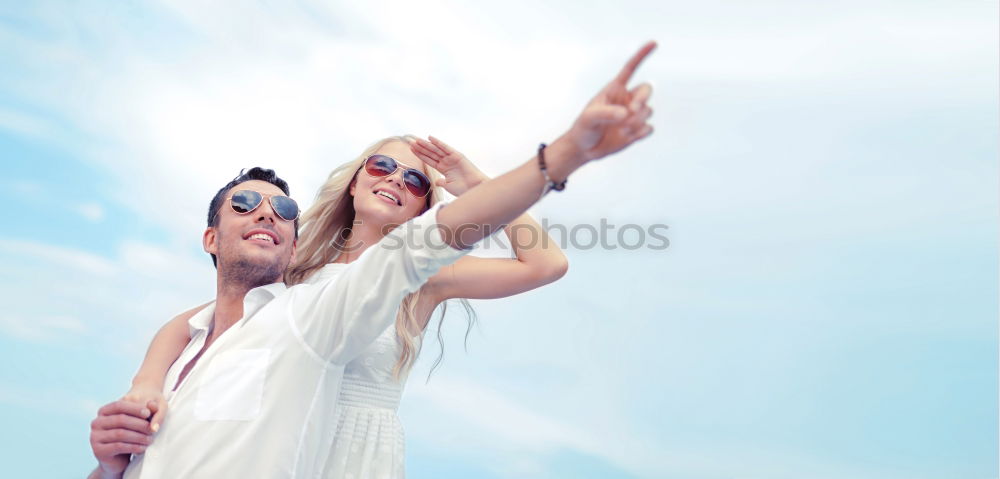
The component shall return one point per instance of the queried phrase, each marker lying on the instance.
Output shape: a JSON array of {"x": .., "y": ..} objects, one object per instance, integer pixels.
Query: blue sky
[{"x": 827, "y": 307}]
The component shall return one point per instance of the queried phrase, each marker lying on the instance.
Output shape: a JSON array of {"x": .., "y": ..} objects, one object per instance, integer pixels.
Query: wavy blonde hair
[{"x": 325, "y": 227}]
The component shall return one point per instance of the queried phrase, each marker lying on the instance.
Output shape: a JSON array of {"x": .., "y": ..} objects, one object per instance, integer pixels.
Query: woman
[{"x": 335, "y": 231}]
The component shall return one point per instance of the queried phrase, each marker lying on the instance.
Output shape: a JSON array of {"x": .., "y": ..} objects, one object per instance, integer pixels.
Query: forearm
[
  {"x": 99, "y": 473},
  {"x": 166, "y": 347},
  {"x": 495, "y": 203}
]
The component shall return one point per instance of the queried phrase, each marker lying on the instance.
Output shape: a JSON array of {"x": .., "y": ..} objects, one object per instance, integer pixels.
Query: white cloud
[
  {"x": 92, "y": 212},
  {"x": 79, "y": 260},
  {"x": 22, "y": 123},
  {"x": 50, "y": 401},
  {"x": 40, "y": 328},
  {"x": 479, "y": 417},
  {"x": 62, "y": 293}
]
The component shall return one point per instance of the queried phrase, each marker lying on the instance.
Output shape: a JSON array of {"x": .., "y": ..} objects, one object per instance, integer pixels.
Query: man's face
[{"x": 252, "y": 249}]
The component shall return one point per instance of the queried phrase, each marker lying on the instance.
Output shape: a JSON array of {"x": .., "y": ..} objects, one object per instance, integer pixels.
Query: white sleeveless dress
[{"x": 369, "y": 440}]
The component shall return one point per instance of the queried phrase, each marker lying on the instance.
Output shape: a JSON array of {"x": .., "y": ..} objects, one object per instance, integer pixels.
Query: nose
[
  {"x": 397, "y": 177},
  {"x": 265, "y": 212}
]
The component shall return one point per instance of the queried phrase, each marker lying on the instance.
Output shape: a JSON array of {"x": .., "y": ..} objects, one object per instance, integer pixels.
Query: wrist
[
  {"x": 479, "y": 178},
  {"x": 105, "y": 471},
  {"x": 142, "y": 381},
  {"x": 562, "y": 157}
]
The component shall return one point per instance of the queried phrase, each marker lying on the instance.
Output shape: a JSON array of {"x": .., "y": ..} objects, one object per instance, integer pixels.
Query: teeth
[
  {"x": 388, "y": 195},
  {"x": 261, "y": 236}
]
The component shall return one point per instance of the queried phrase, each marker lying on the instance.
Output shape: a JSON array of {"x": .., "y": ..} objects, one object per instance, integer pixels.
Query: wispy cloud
[{"x": 41, "y": 328}]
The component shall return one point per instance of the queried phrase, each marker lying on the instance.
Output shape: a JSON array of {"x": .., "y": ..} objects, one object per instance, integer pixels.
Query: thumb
[
  {"x": 441, "y": 182},
  {"x": 605, "y": 114}
]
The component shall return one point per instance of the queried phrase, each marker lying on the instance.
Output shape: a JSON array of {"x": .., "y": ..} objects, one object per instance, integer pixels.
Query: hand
[
  {"x": 120, "y": 430},
  {"x": 152, "y": 397},
  {"x": 616, "y": 117},
  {"x": 460, "y": 175}
]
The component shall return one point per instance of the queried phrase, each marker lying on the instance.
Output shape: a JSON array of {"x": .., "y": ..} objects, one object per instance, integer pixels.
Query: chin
[{"x": 381, "y": 213}]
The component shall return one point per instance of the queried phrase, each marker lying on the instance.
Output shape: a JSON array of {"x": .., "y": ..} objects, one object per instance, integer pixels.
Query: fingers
[
  {"x": 425, "y": 154},
  {"x": 121, "y": 421},
  {"x": 606, "y": 114},
  {"x": 633, "y": 63},
  {"x": 106, "y": 451},
  {"x": 427, "y": 148},
  {"x": 645, "y": 131},
  {"x": 442, "y": 146},
  {"x": 121, "y": 436},
  {"x": 440, "y": 182},
  {"x": 434, "y": 148},
  {"x": 639, "y": 96},
  {"x": 125, "y": 407}
]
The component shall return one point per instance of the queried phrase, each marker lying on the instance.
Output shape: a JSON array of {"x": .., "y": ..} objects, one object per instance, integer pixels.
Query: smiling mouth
[
  {"x": 390, "y": 196},
  {"x": 262, "y": 236}
]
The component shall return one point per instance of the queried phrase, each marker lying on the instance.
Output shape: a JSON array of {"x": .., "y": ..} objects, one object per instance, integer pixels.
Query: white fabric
[
  {"x": 369, "y": 441},
  {"x": 259, "y": 402}
]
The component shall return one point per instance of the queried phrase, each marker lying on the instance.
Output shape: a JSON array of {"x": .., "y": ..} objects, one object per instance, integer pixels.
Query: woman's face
[{"x": 373, "y": 196}]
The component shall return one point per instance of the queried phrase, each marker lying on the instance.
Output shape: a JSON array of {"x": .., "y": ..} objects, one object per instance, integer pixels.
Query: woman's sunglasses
[
  {"x": 245, "y": 201},
  {"x": 380, "y": 166}
]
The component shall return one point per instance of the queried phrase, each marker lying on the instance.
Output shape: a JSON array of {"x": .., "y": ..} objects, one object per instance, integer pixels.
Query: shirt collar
[
  {"x": 254, "y": 300},
  {"x": 202, "y": 320}
]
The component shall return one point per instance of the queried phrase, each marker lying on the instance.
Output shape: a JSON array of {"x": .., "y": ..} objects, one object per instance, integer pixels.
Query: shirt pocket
[{"x": 233, "y": 386}]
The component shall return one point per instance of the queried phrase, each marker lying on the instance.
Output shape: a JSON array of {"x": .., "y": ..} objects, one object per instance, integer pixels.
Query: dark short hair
[{"x": 255, "y": 173}]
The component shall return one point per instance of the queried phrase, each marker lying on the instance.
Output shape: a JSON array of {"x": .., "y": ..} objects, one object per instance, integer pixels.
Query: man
[
  {"x": 227, "y": 404},
  {"x": 271, "y": 358}
]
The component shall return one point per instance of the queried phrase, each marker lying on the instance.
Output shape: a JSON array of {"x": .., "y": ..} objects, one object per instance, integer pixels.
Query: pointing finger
[{"x": 626, "y": 73}]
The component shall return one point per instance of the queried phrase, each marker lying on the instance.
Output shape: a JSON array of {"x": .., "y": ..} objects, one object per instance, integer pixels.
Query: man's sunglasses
[
  {"x": 245, "y": 201},
  {"x": 380, "y": 166}
]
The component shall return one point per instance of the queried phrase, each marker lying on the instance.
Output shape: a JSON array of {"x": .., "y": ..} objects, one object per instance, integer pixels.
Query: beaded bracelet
[{"x": 550, "y": 185}]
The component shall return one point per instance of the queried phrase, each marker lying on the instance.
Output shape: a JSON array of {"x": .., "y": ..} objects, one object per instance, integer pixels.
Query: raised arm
[
  {"x": 538, "y": 259},
  {"x": 366, "y": 295},
  {"x": 611, "y": 121},
  {"x": 167, "y": 345}
]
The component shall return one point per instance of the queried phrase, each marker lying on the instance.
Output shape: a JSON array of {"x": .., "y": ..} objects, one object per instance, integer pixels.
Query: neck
[
  {"x": 228, "y": 306},
  {"x": 363, "y": 235}
]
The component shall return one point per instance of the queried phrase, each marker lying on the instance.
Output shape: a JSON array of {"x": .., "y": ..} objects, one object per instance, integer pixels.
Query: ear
[
  {"x": 209, "y": 241},
  {"x": 354, "y": 185}
]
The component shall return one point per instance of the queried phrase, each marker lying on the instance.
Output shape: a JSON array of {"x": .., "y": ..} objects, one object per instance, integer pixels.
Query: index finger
[
  {"x": 125, "y": 407},
  {"x": 634, "y": 62}
]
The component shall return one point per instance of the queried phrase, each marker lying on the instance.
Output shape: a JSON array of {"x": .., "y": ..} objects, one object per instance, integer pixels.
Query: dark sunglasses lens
[
  {"x": 380, "y": 165},
  {"x": 245, "y": 201},
  {"x": 417, "y": 183},
  {"x": 286, "y": 207}
]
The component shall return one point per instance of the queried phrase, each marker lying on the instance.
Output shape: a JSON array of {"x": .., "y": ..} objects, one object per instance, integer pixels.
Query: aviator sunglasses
[
  {"x": 245, "y": 201},
  {"x": 380, "y": 166}
]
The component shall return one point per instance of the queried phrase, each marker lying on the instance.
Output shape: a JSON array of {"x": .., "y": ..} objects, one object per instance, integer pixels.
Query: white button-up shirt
[{"x": 260, "y": 402}]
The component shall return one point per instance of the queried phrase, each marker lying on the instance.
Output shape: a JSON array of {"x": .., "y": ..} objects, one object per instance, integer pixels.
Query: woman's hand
[
  {"x": 460, "y": 175},
  {"x": 616, "y": 117},
  {"x": 150, "y": 396}
]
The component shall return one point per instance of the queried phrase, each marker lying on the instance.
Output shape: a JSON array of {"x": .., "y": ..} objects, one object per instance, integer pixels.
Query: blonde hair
[{"x": 324, "y": 229}]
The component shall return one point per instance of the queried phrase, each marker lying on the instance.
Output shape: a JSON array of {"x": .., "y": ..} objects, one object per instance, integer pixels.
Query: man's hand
[
  {"x": 120, "y": 430},
  {"x": 460, "y": 174},
  {"x": 616, "y": 117}
]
